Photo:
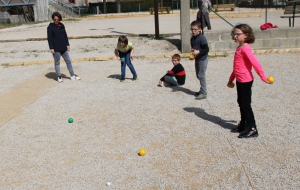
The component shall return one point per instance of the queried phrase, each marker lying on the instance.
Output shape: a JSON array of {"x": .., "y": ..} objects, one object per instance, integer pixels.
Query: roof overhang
[{"x": 10, "y": 3}]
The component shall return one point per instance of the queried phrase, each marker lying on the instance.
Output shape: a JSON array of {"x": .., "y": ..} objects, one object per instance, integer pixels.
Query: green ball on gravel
[{"x": 70, "y": 120}]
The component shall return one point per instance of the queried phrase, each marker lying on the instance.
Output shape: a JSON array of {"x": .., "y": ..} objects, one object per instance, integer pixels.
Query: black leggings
[{"x": 244, "y": 94}]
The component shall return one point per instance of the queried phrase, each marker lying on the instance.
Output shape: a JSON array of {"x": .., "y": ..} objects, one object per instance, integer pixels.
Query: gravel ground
[
  {"x": 26, "y": 51},
  {"x": 188, "y": 142}
]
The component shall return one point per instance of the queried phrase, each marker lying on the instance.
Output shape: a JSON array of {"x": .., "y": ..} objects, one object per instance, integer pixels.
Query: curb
[
  {"x": 97, "y": 36},
  {"x": 183, "y": 55}
]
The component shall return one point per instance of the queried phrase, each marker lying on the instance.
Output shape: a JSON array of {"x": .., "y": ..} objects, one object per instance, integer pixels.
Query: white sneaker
[
  {"x": 75, "y": 77},
  {"x": 59, "y": 79}
]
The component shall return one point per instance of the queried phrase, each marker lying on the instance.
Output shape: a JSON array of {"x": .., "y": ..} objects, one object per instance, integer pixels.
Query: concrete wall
[
  {"x": 282, "y": 38},
  {"x": 17, "y": 19},
  {"x": 4, "y": 17},
  {"x": 41, "y": 10}
]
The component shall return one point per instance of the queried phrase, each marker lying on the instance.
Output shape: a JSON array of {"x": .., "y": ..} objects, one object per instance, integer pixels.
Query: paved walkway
[{"x": 142, "y": 23}]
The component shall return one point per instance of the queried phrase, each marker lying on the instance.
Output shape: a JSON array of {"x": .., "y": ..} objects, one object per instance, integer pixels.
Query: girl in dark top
[
  {"x": 59, "y": 46},
  {"x": 176, "y": 76}
]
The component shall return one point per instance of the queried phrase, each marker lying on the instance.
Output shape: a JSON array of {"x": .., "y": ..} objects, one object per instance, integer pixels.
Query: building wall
[
  {"x": 41, "y": 10},
  {"x": 4, "y": 17}
]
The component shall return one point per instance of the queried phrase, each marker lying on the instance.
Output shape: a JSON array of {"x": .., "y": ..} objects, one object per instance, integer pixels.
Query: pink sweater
[{"x": 243, "y": 62}]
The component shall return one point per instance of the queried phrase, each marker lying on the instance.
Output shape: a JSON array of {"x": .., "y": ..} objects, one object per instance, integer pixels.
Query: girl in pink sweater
[{"x": 243, "y": 62}]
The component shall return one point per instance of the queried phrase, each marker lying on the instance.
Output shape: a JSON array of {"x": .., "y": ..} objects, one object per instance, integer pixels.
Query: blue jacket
[{"x": 57, "y": 37}]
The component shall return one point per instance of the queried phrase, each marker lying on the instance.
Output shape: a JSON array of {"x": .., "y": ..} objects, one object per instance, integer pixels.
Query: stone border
[{"x": 183, "y": 55}]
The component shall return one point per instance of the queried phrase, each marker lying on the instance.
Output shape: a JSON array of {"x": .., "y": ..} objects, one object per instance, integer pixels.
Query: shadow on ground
[
  {"x": 175, "y": 42},
  {"x": 227, "y": 124},
  {"x": 118, "y": 77},
  {"x": 182, "y": 89},
  {"x": 52, "y": 75},
  {"x": 114, "y": 76}
]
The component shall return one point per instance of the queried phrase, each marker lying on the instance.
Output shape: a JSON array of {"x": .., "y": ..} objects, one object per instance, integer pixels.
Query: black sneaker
[
  {"x": 197, "y": 93},
  {"x": 240, "y": 128},
  {"x": 134, "y": 77},
  {"x": 122, "y": 79},
  {"x": 249, "y": 133}
]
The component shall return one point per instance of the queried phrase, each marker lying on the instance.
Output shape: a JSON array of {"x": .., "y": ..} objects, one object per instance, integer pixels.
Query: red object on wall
[{"x": 267, "y": 25}]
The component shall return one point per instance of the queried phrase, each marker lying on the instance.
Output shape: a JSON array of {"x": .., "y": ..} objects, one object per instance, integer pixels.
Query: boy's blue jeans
[
  {"x": 127, "y": 62},
  {"x": 66, "y": 57},
  {"x": 171, "y": 80}
]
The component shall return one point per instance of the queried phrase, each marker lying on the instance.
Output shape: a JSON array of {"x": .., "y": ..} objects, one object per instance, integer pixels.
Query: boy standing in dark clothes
[
  {"x": 200, "y": 51},
  {"x": 176, "y": 76}
]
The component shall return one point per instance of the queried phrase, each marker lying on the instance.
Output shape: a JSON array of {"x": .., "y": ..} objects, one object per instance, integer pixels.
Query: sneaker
[
  {"x": 59, "y": 79},
  {"x": 249, "y": 133},
  {"x": 197, "y": 93},
  {"x": 134, "y": 77},
  {"x": 240, "y": 128},
  {"x": 75, "y": 77},
  {"x": 122, "y": 79},
  {"x": 201, "y": 96}
]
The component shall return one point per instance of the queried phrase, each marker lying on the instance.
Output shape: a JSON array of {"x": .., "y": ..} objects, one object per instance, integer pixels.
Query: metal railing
[{"x": 70, "y": 8}]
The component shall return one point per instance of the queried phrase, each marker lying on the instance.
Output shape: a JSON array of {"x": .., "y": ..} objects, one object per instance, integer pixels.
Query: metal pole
[
  {"x": 156, "y": 19},
  {"x": 294, "y": 14},
  {"x": 266, "y": 1},
  {"x": 222, "y": 18}
]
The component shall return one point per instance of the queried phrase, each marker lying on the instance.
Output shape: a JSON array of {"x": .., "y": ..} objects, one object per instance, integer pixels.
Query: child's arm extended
[
  {"x": 117, "y": 54},
  {"x": 251, "y": 59}
]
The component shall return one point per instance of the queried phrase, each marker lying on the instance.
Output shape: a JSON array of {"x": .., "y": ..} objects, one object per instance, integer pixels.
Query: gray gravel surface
[{"x": 188, "y": 142}]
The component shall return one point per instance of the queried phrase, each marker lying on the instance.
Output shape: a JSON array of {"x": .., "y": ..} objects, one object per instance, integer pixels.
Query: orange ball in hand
[
  {"x": 191, "y": 57},
  {"x": 231, "y": 85}
]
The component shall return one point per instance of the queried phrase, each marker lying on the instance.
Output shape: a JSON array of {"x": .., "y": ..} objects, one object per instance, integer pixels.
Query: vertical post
[
  {"x": 266, "y": 3},
  {"x": 294, "y": 14},
  {"x": 156, "y": 19},
  {"x": 185, "y": 26},
  {"x": 104, "y": 7}
]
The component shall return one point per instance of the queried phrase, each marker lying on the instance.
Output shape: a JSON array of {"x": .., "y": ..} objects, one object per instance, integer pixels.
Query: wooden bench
[
  {"x": 224, "y": 7},
  {"x": 291, "y": 11},
  {"x": 160, "y": 9}
]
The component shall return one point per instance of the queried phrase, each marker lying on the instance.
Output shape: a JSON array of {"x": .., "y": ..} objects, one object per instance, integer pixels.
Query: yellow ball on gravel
[
  {"x": 142, "y": 152},
  {"x": 271, "y": 79}
]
